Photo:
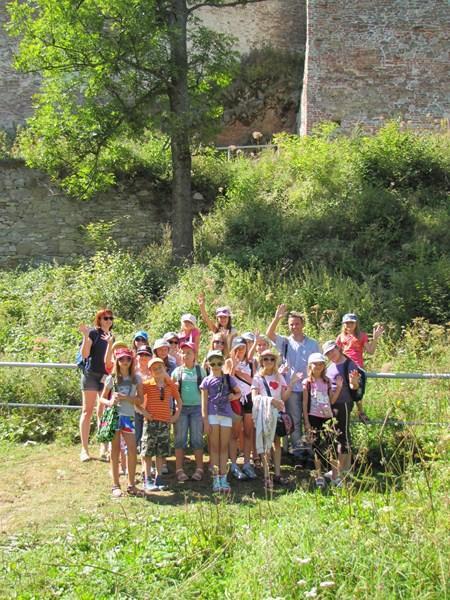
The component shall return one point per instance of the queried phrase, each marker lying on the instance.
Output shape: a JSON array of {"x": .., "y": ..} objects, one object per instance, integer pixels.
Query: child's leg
[
  {"x": 147, "y": 467},
  {"x": 214, "y": 448},
  {"x": 248, "y": 436},
  {"x": 277, "y": 455},
  {"x": 115, "y": 452},
  {"x": 130, "y": 441},
  {"x": 224, "y": 442},
  {"x": 234, "y": 439},
  {"x": 159, "y": 465},
  {"x": 181, "y": 432}
]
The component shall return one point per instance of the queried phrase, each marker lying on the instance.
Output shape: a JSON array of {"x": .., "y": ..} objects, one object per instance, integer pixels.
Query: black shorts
[
  {"x": 92, "y": 381},
  {"x": 341, "y": 413},
  {"x": 247, "y": 406},
  {"x": 324, "y": 434}
]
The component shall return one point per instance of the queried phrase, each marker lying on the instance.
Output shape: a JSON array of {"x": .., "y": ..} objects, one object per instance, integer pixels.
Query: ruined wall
[
  {"x": 368, "y": 60},
  {"x": 38, "y": 223}
]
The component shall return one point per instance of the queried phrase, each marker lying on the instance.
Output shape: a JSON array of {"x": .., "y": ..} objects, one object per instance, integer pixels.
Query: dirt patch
[{"x": 44, "y": 486}]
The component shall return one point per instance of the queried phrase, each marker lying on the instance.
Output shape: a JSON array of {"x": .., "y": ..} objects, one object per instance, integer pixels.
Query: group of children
[{"x": 250, "y": 390}]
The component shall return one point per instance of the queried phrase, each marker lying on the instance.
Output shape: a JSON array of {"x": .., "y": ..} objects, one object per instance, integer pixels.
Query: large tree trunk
[{"x": 182, "y": 229}]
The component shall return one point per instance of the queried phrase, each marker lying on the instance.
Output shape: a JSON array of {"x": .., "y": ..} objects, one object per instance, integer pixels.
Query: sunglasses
[
  {"x": 124, "y": 359},
  {"x": 173, "y": 343},
  {"x": 140, "y": 339},
  {"x": 161, "y": 394},
  {"x": 108, "y": 318},
  {"x": 221, "y": 342},
  {"x": 268, "y": 359},
  {"x": 216, "y": 364}
]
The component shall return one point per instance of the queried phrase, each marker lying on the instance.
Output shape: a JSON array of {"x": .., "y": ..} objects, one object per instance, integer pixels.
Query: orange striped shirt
[{"x": 156, "y": 403}]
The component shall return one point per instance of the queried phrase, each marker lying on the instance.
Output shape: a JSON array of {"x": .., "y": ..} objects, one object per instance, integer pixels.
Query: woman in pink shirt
[{"x": 353, "y": 342}]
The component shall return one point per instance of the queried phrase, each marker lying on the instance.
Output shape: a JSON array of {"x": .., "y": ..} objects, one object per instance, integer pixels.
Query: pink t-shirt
[
  {"x": 193, "y": 337},
  {"x": 353, "y": 346},
  {"x": 320, "y": 403}
]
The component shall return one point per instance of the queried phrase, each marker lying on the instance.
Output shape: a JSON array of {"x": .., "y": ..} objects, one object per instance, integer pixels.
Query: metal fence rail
[{"x": 371, "y": 375}]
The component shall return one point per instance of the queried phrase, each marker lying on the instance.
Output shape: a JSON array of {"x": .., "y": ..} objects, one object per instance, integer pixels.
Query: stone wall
[
  {"x": 370, "y": 60},
  {"x": 38, "y": 223},
  {"x": 278, "y": 23}
]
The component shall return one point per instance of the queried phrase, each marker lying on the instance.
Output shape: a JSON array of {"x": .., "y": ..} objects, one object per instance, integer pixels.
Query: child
[
  {"x": 344, "y": 377},
  {"x": 238, "y": 366},
  {"x": 174, "y": 342},
  {"x": 217, "y": 391},
  {"x": 223, "y": 320},
  {"x": 353, "y": 342},
  {"x": 158, "y": 393},
  {"x": 189, "y": 332},
  {"x": 126, "y": 394},
  {"x": 317, "y": 413},
  {"x": 269, "y": 382},
  {"x": 189, "y": 377}
]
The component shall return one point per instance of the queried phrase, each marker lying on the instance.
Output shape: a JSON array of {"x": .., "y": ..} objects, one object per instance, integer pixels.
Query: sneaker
[
  {"x": 164, "y": 470},
  {"x": 216, "y": 486},
  {"x": 159, "y": 483},
  {"x": 320, "y": 483},
  {"x": 224, "y": 485},
  {"x": 149, "y": 486},
  {"x": 237, "y": 473},
  {"x": 249, "y": 471},
  {"x": 84, "y": 456}
]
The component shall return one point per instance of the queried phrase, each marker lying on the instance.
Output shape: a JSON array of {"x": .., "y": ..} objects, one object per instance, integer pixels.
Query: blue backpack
[{"x": 84, "y": 363}]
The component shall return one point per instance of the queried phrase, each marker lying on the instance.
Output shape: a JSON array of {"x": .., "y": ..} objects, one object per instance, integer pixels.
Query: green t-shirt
[{"x": 190, "y": 394}]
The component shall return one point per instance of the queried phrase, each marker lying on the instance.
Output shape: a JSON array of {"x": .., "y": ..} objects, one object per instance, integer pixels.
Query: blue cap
[{"x": 142, "y": 334}]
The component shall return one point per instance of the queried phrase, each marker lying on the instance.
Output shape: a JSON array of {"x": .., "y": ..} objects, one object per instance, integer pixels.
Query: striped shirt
[{"x": 157, "y": 400}]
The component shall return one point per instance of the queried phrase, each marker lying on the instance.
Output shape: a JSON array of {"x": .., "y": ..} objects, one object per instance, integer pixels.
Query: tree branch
[{"x": 213, "y": 4}]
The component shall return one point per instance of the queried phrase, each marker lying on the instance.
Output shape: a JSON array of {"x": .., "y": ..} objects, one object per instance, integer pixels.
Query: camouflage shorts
[{"x": 155, "y": 439}]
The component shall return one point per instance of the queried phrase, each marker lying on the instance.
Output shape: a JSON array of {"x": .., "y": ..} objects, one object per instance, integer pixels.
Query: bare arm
[
  {"x": 86, "y": 344},
  {"x": 378, "y": 331},
  {"x": 206, "y": 318},
  {"x": 272, "y": 329},
  {"x": 205, "y": 411},
  {"x": 305, "y": 407}
]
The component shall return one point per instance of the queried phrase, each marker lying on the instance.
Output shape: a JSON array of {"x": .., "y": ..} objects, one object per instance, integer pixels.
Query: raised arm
[
  {"x": 378, "y": 331},
  {"x": 279, "y": 314},
  {"x": 206, "y": 318},
  {"x": 86, "y": 344}
]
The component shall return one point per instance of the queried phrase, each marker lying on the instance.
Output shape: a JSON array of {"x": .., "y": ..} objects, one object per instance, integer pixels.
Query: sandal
[
  {"x": 198, "y": 474},
  {"x": 116, "y": 492},
  {"x": 181, "y": 476},
  {"x": 132, "y": 490}
]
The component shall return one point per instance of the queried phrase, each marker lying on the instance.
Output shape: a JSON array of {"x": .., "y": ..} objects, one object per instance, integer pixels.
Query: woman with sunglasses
[
  {"x": 93, "y": 350},
  {"x": 174, "y": 342},
  {"x": 123, "y": 388},
  {"x": 269, "y": 382}
]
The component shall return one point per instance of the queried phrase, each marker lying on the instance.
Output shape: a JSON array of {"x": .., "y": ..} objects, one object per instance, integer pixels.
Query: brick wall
[{"x": 368, "y": 60}]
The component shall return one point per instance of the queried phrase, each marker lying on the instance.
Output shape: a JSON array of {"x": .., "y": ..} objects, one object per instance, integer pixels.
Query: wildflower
[
  {"x": 327, "y": 584},
  {"x": 312, "y": 593},
  {"x": 303, "y": 561},
  {"x": 301, "y": 582}
]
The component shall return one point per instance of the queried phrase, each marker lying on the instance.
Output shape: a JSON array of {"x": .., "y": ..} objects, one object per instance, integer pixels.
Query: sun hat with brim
[
  {"x": 214, "y": 353},
  {"x": 328, "y": 346},
  {"x": 269, "y": 352},
  {"x": 238, "y": 341},
  {"x": 155, "y": 361},
  {"x": 223, "y": 311},
  {"x": 144, "y": 351},
  {"x": 142, "y": 334},
  {"x": 170, "y": 335},
  {"x": 188, "y": 317},
  {"x": 119, "y": 344},
  {"x": 121, "y": 352},
  {"x": 349, "y": 318},
  {"x": 316, "y": 357},
  {"x": 187, "y": 345},
  {"x": 161, "y": 343}
]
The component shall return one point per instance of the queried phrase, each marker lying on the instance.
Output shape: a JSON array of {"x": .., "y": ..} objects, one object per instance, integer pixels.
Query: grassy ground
[{"x": 383, "y": 536}]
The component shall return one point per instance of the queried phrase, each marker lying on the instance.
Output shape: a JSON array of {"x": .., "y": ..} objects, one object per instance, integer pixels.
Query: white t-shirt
[
  {"x": 276, "y": 384},
  {"x": 126, "y": 387}
]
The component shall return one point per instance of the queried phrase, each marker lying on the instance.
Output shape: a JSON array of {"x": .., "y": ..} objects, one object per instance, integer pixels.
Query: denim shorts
[
  {"x": 190, "y": 420},
  {"x": 220, "y": 420},
  {"x": 92, "y": 382}
]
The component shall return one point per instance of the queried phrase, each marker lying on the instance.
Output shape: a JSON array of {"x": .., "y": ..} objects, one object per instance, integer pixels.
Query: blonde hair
[
  {"x": 322, "y": 374},
  {"x": 223, "y": 338},
  {"x": 116, "y": 374}
]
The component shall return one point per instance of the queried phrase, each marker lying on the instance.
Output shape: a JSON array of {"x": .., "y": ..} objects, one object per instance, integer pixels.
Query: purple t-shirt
[
  {"x": 218, "y": 392},
  {"x": 339, "y": 369}
]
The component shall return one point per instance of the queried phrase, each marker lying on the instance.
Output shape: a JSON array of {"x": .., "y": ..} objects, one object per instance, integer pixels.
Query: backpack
[
  {"x": 357, "y": 395},
  {"x": 84, "y": 363},
  {"x": 198, "y": 370}
]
